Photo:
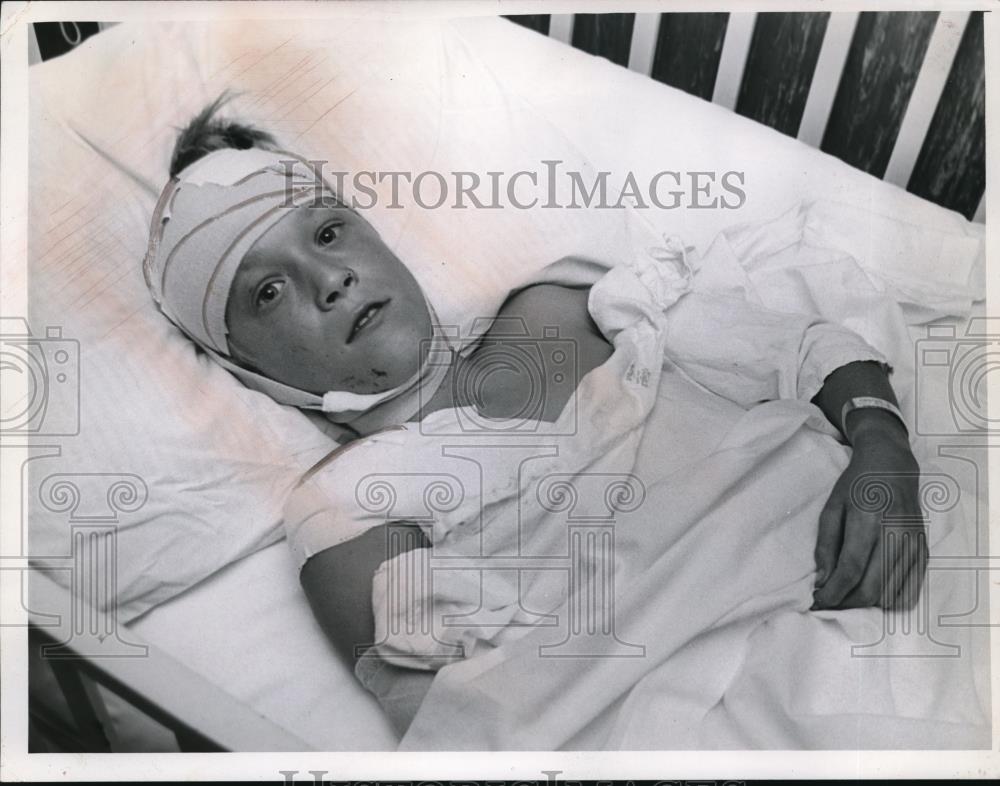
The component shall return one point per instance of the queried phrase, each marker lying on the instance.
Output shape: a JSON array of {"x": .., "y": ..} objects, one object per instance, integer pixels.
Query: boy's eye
[
  {"x": 269, "y": 292},
  {"x": 327, "y": 234}
]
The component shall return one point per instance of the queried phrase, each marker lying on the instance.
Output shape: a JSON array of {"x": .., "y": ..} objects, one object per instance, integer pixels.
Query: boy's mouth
[{"x": 365, "y": 316}]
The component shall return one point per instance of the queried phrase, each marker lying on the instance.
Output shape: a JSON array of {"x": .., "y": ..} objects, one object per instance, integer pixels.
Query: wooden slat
[
  {"x": 733, "y": 59},
  {"x": 881, "y": 70},
  {"x": 926, "y": 95},
  {"x": 783, "y": 55},
  {"x": 688, "y": 48},
  {"x": 644, "y": 34},
  {"x": 951, "y": 167},
  {"x": 537, "y": 22},
  {"x": 604, "y": 35}
]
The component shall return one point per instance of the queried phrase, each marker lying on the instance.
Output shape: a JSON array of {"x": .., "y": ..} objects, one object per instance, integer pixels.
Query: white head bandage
[{"x": 205, "y": 221}]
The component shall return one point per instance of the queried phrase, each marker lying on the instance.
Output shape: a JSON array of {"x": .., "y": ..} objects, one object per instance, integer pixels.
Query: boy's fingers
[
  {"x": 869, "y": 589},
  {"x": 828, "y": 540},
  {"x": 860, "y": 539}
]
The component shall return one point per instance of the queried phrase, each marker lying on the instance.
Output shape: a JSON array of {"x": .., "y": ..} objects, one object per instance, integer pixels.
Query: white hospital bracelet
[{"x": 869, "y": 402}]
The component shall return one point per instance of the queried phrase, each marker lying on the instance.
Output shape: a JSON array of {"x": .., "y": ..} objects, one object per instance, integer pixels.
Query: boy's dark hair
[{"x": 206, "y": 133}]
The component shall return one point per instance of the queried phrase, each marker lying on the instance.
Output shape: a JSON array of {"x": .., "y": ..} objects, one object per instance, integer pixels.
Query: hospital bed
[{"x": 216, "y": 649}]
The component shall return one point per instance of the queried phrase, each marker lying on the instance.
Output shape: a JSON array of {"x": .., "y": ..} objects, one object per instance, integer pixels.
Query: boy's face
[{"x": 320, "y": 303}]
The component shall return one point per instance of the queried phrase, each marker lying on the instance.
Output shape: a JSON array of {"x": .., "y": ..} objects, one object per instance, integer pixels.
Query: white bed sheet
[{"x": 248, "y": 628}]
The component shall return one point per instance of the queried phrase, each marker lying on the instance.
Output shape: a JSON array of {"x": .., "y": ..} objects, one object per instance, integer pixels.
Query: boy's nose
[{"x": 335, "y": 284}]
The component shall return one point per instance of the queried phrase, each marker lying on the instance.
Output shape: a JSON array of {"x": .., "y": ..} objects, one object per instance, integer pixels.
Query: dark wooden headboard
[{"x": 898, "y": 94}]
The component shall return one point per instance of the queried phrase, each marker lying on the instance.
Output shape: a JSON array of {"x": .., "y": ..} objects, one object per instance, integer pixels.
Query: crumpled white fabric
[
  {"x": 718, "y": 347},
  {"x": 713, "y": 571},
  {"x": 718, "y": 497},
  {"x": 502, "y": 486},
  {"x": 629, "y": 304}
]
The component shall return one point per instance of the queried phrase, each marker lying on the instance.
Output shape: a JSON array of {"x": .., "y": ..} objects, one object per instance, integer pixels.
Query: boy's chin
[{"x": 400, "y": 375}]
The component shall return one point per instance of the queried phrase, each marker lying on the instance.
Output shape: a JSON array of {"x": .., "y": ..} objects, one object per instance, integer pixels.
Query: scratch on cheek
[
  {"x": 352, "y": 383},
  {"x": 375, "y": 372}
]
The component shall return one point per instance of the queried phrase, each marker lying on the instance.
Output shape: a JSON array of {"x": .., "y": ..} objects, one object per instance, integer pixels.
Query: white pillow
[
  {"x": 200, "y": 465},
  {"x": 188, "y": 466}
]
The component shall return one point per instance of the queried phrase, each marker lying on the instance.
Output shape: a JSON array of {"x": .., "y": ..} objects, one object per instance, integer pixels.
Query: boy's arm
[
  {"x": 854, "y": 380},
  {"x": 338, "y": 584},
  {"x": 858, "y": 564}
]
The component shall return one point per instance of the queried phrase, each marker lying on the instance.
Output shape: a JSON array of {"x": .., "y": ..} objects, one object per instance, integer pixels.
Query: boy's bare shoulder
[
  {"x": 514, "y": 388},
  {"x": 542, "y": 306}
]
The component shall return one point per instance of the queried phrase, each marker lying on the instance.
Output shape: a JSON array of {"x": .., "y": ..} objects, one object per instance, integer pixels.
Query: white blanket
[{"x": 668, "y": 521}]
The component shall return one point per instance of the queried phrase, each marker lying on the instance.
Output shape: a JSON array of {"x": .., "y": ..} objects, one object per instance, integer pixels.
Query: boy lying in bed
[{"x": 260, "y": 264}]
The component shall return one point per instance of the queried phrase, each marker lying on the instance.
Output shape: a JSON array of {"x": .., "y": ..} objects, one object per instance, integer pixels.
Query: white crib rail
[{"x": 632, "y": 40}]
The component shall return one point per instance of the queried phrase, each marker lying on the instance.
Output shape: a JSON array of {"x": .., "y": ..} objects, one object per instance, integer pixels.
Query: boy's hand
[{"x": 872, "y": 544}]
